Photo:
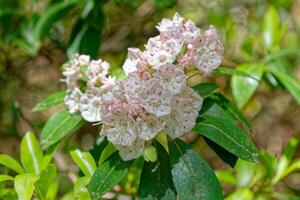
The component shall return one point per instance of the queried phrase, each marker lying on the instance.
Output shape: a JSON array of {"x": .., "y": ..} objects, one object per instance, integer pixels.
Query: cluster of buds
[{"x": 155, "y": 97}]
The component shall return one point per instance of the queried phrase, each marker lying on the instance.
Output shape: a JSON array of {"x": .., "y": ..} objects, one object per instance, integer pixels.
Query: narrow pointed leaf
[
  {"x": 107, "y": 151},
  {"x": 80, "y": 190},
  {"x": 226, "y": 134},
  {"x": 58, "y": 126},
  {"x": 50, "y": 101},
  {"x": 156, "y": 179},
  {"x": 233, "y": 72},
  {"x": 243, "y": 87},
  {"x": 11, "y": 163},
  {"x": 24, "y": 185},
  {"x": 85, "y": 161},
  {"x": 31, "y": 154},
  {"x": 192, "y": 176},
  {"x": 107, "y": 175},
  {"x": 6, "y": 178}
]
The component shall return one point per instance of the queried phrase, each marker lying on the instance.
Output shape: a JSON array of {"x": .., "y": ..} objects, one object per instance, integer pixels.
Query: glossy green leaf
[
  {"x": 99, "y": 146},
  {"x": 52, "y": 191},
  {"x": 50, "y": 101},
  {"x": 233, "y": 72},
  {"x": 271, "y": 28},
  {"x": 24, "y": 185},
  {"x": 48, "y": 155},
  {"x": 107, "y": 151},
  {"x": 205, "y": 89},
  {"x": 31, "y": 154},
  {"x": 59, "y": 125},
  {"x": 4, "y": 177},
  {"x": 156, "y": 179},
  {"x": 192, "y": 176},
  {"x": 243, "y": 88},
  {"x": 225, "y": 155},
  {"x": 107, "y": 175},
  {"x": 226, "y": 134},
  {"x": 225, "y": 109},
  {"x": 289, "y": 82},
  {"x": 47, "y": 177},
  {"x": 85, "y": 161},
  {"x": 52, "y": 15},
  {"x": 80, "y": 190},
  {"x": 226, "y": 176},
  {"x": 11, "y": 163}
]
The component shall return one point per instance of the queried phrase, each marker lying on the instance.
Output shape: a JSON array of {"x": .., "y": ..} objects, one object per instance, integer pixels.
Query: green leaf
[
  {"x": 271, "y": 28},
  {"x": 98, "y": 148},
  {"x": 80, "y": 190},
  {"x": 226, "y": 176},
  {"x": 225, "y": 109},
  {"x": 289, "y": 82},
  {"x": 51, "y": 15},
  {"x": 50, "y": 101},
  {"x": 11, "y": 163},
  {"x": 59, "y": 125},
  {"x": 52, "y": 190},
  {"x": 24, "y": 185},
  {"x": 226, "y": 134},
  {"x": 242, "y": 87},
  {"x": 285, "y": 160},
  {"x": 192, "y": 176},
  {"x": 107, "y": 151},
  {"x": 244, "y": 172},
  {"x": 31, "y": 154},
  {"x": 244, "y": 193},
  {"x": 205, "y": 89},
  {"x": 6, "y": 178},
  {"x": 233, "y": 72},
  {"x": 282, "y": 53},
  {"x": 156, "y": 179},
  {"x": 108, "y": 174},
  {"x": 48, "y": 155},
  {"x": 225, "y": 155},
  {"x": 47, "y": 177},
  {"x": 85, "y": 161}
]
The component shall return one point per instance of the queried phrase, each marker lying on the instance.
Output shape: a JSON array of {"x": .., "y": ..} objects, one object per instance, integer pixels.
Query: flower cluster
[
  {"x": 155, "y": 96},
  {"x": 87, "y": 80}
]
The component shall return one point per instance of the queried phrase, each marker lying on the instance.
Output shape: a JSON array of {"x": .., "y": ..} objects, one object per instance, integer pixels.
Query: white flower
[
  {"x": 172, "y": 78},
  {"x": 90, "y": 106},
  {"x": 191, "y": 32},
  {"x": 159, "y": 53},
  {"x": 121, "y": 130},
  {"x": 185, "y": 108},
  {"x": 72, "y": 100},
  {"x": 133, "y": 151},
  {"x": 148, "y": 126},
  {"x": 155, "y": 99},
  {"x": 135, "y": 59},
  {"x": 167, "y": 25},
  {"x": 209, "y": 55}
]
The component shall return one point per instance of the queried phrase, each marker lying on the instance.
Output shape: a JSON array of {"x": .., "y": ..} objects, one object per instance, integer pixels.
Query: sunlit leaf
[
  {"x": 192, "y": 176},
  {"x": 11, "y": 163},
  {"x": 242, "y": 87},
  {"x": 80, "y": 190},
  {"x": 4, "y": 177},
  {"x": 85, "y": 161},
  {"x": 24, "y": 185},
  {"x": 59, "y": 125},
  {"x": 271, "y": 28},
  {"x": 31, "y": 154},
  {"x": 50, "y": 101},
  {"x": 47, "y": 177},
  {"x": 233, "y": 72},
  {"x": 107, "y": 151}
]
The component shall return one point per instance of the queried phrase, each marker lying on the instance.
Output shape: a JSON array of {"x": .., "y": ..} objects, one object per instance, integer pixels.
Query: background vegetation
[{"x": 261, "y": 38}]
